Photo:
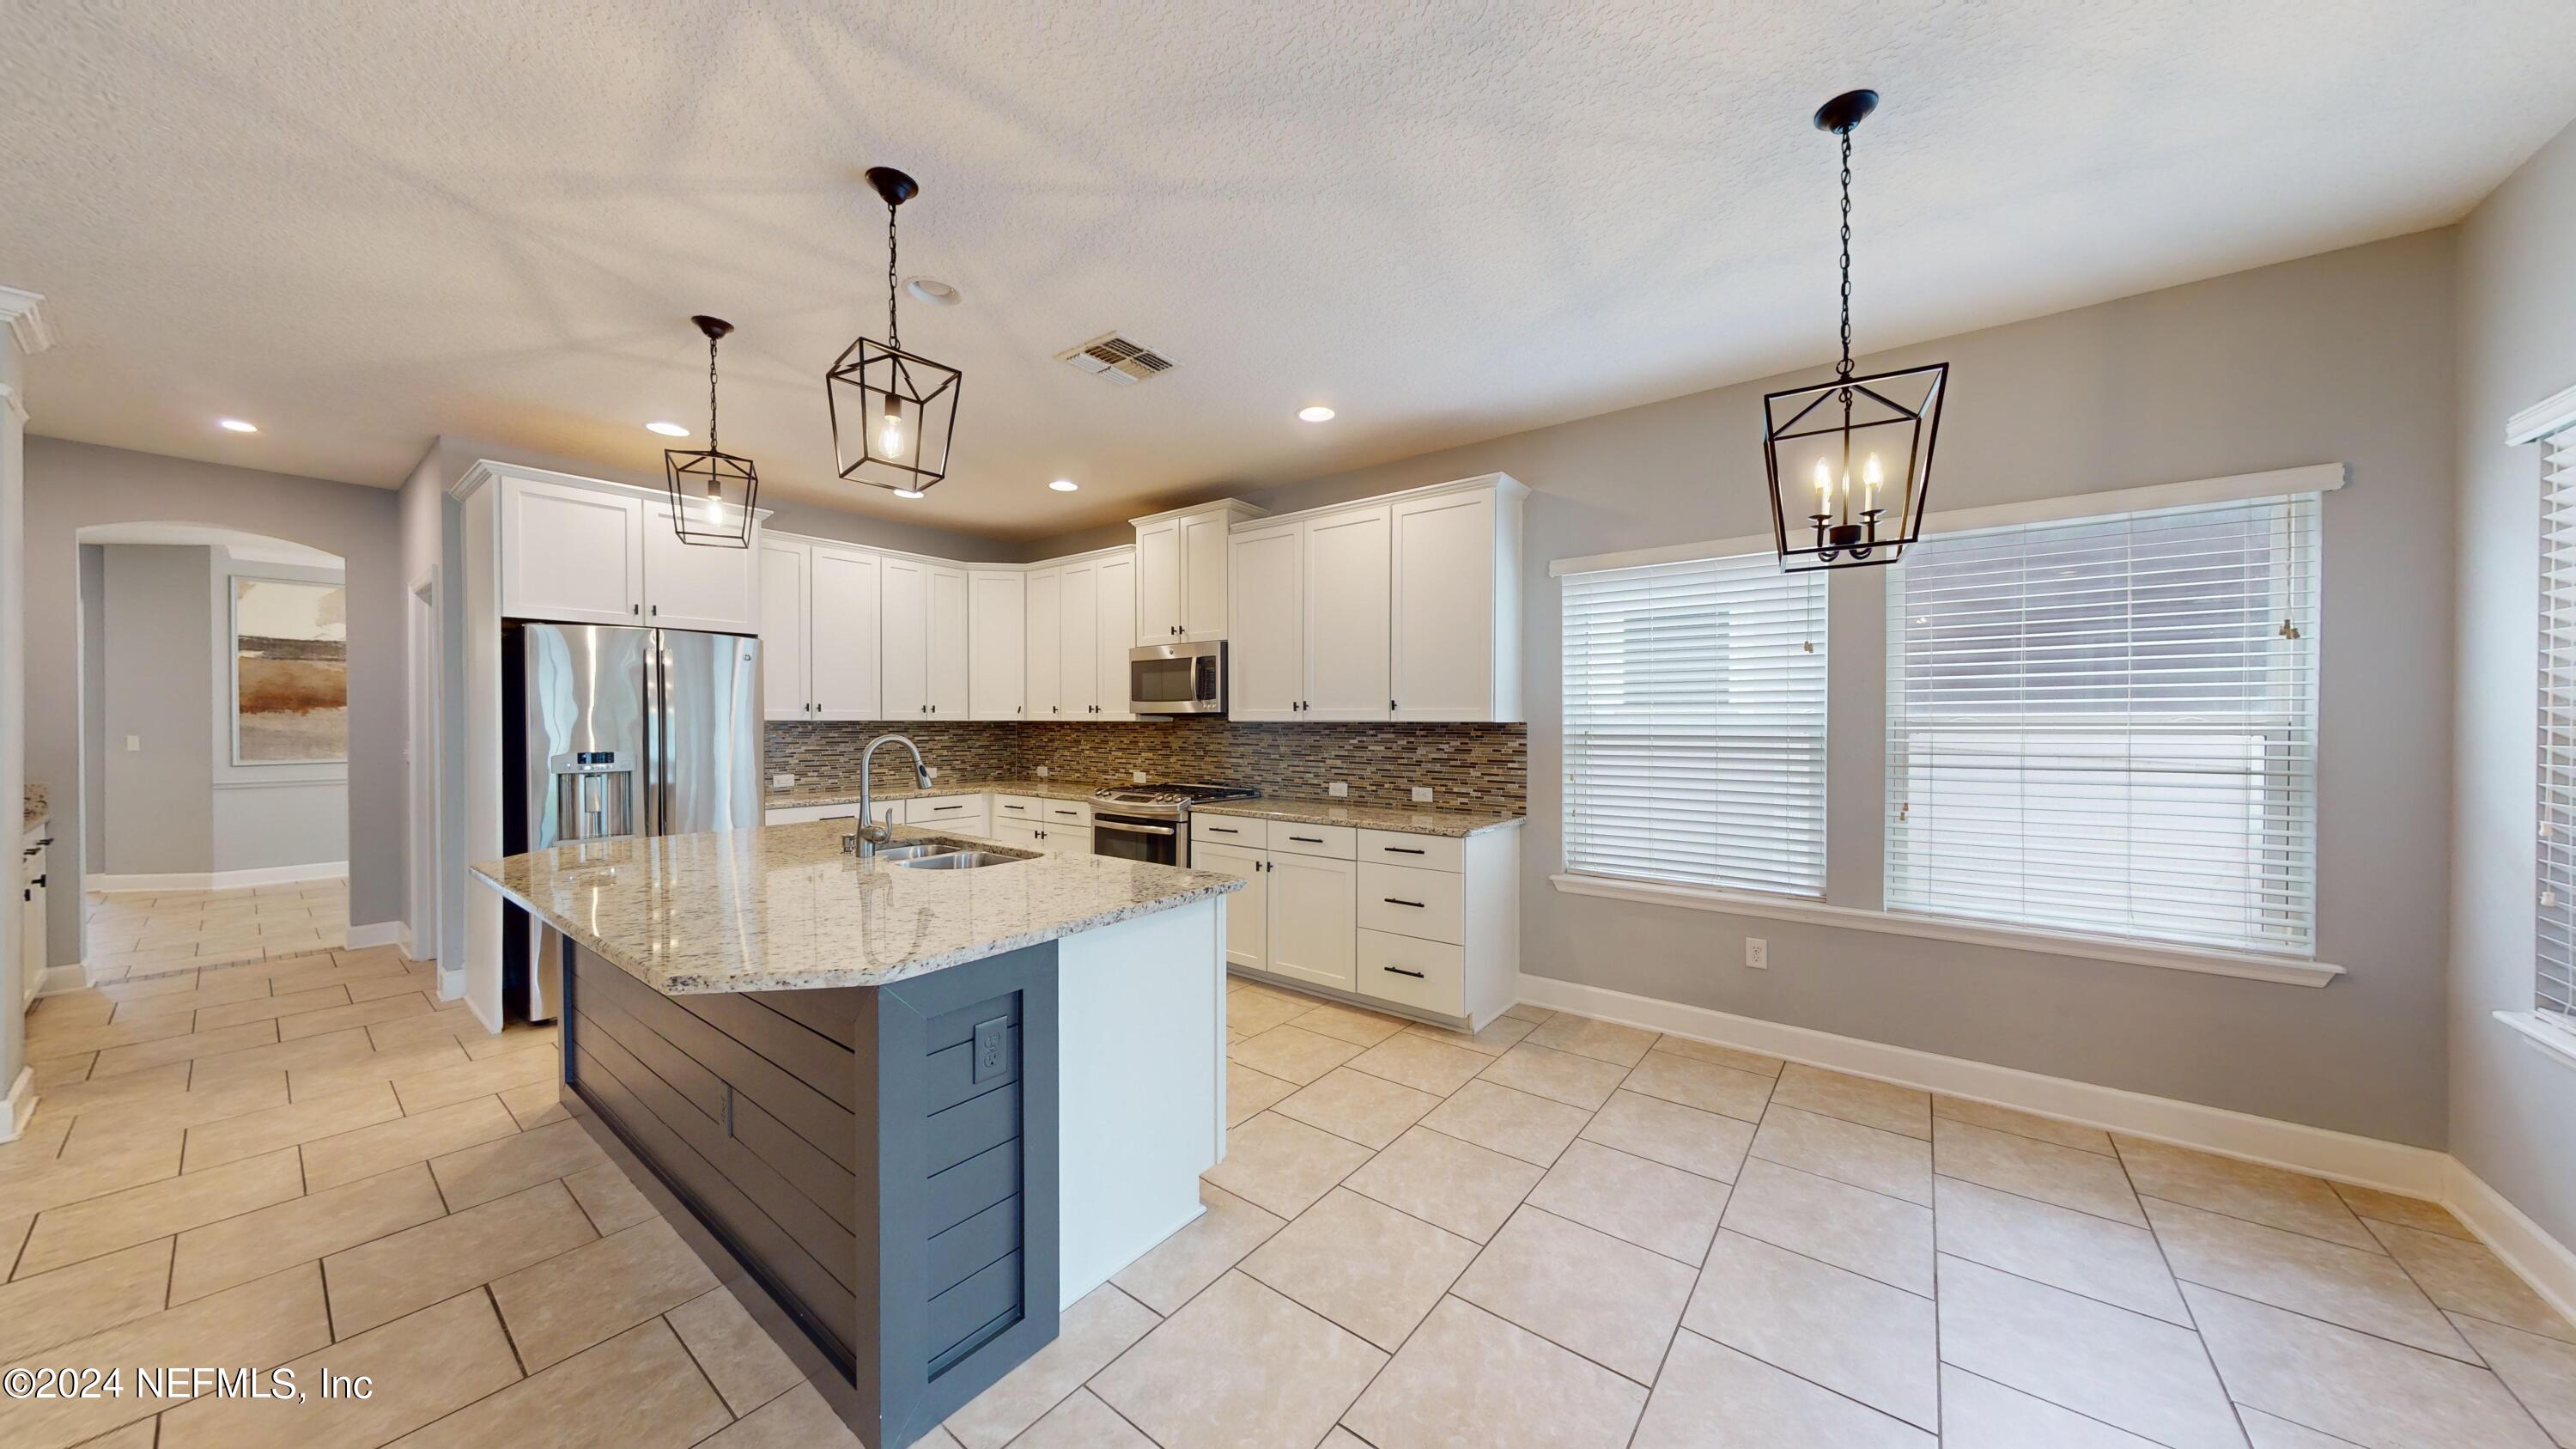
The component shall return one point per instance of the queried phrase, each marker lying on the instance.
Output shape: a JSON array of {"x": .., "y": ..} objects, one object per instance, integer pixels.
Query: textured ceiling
[{"x": 364, "y": 225}]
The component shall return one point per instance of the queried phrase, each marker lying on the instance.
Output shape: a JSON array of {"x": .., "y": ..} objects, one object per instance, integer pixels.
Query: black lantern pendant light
[
  {"x": 713, "y": 492},
  {"x": 903, "y": 408},
  {"x": 1851, "y": 460}
]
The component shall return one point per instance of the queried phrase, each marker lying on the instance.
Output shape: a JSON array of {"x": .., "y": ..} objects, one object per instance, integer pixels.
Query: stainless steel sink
[
  {"x": 956, "y": 860},
  {"x": 906, "y": 852}
]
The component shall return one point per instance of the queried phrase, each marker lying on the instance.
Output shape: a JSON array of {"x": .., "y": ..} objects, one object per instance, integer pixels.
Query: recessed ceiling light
[
  {"x": 1064, "y": 485},
  {"x": 668, "y": 430},
  {"x": 236, "y": 425},
  {"x": 934, "y": 291},
  {"x": 909, "y": 492},
  {"x": 1317, "y": 414}
]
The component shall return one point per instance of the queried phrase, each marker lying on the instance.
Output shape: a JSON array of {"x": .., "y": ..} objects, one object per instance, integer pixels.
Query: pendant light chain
[
  {"x": 1846, "y": 369},
  {"x": 894, "y": 334},
  {"x": 712, "y": 444}
]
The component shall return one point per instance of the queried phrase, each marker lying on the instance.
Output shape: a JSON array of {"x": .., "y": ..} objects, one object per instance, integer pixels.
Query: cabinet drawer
[
  {"x": 1338, "y": 841},
  {"x": 1425, "y": 975},
  {"x": 1066, "y": 812},
  {"x": 1230, "y": 830},
  {"x": 942, "y": 809},
  {"x": 1019, "y": 807},
  {"x": 1427, "y": 852},
  {"x": 1412, "y": 902}
]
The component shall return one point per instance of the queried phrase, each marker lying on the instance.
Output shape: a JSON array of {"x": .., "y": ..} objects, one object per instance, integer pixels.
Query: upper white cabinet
[
  {"x": 844, "y": 629},
  {"x": 786, "y": 577},
  {"x": 904, "y": 663},
  {"x": 1081, "y": 617},
  {"x": 579, "y": 551},
  {"x": 571, "y": 554},
  {"x": 1044, "y": 637},
  {"x": 1117, "y": 634},
  {"x": 947, "y": 643},
  {"x": 1456, "y": 604},
  {"x": 1181, "y": 564},
  {"x": 1403, "y": 607},
  {"x": 698, "y": 586},
  {"x": 997, "y": 644}
]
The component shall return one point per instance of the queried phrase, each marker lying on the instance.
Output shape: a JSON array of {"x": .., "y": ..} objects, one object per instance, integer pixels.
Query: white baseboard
[
  {"x": 61, "y": 978},
  {"x": 377, "y": 933},
  {"x": 2526, "y": 1247},
  {"x": 20, "y": 1105},
  {"x": 2369, "y": 1162},
  {"x": 218, "y": 880}
]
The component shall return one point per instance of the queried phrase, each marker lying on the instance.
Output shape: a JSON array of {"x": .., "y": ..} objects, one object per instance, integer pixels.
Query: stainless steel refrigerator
[{"x": 610, "y": 732}]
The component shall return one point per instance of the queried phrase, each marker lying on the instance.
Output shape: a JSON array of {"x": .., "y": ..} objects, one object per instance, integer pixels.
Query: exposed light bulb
[
  {"x": 890, "y": 435},
  {"x": 713, "y": 509},
  {"x": 1869, "y": 473},
  {"x": 1824, "y": 487}
]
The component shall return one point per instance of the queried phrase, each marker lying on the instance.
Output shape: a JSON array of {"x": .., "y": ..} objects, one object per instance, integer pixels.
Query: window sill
[
  {"x": 2246, "y": 966},
  {"x": 2544, "y": 1036}
]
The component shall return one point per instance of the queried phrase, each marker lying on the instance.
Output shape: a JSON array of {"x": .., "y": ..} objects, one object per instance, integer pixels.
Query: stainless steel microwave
[{"x": 1177, "y": 678}]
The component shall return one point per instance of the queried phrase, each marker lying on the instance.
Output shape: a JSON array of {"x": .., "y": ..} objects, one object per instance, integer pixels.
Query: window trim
[{"x": 2243, "y": 965}]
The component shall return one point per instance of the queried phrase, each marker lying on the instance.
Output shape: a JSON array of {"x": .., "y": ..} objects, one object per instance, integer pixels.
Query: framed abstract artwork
[{"x": 290, "y": 642}]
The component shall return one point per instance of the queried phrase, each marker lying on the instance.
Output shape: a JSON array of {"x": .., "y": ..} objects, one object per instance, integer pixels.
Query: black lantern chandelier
[
  {"x": 1851, "y": 460},
  {"x": 902, "y": 408},
  {"x": 713, "y": 492}
]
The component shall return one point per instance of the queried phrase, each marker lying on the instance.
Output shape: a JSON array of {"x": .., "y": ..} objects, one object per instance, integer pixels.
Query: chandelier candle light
[
  {"x": 699, "y": 477},
  {"x": 1863, "y": 445},
  {"x": 904, "y": 407}
]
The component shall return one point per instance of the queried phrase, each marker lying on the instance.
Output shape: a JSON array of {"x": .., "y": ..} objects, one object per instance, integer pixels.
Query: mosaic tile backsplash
[{"x": 1468, "y": 766}]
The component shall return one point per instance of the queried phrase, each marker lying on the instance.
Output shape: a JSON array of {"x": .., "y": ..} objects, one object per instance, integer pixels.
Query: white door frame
[{"x": 426, "y": 878}]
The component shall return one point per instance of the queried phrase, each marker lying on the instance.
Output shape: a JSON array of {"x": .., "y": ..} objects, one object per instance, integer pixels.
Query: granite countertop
[
  {"x": 1041, "y": 789},
  {"x": 1399, "y": 819},
  {"x": 37, "y": 808},
  {"x": 782, "y": 909}
]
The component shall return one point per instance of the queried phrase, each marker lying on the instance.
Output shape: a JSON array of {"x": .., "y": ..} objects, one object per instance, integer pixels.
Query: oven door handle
[{"x": 1132, "y": 829}]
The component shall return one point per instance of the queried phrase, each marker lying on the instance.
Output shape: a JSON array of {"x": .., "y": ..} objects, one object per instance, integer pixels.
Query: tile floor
[
  {"x": 144, "y": 933},
  {"x": 1559, "y": 1232}
]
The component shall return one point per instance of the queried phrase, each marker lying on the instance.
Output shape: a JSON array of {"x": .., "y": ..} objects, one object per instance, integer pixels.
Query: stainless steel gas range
[{"x": 1152, "y": 822}]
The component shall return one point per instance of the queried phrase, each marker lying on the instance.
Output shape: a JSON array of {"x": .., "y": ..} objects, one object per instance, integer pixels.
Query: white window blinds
[
  {"x": 1695, "y": 725},
  {"x": 2108, "y": 726},
  {"x": 2555, "y": 937}
]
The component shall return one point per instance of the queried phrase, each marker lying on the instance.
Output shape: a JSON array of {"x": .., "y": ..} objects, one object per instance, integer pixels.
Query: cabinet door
[
  {"x": 1313, "y": 929},
  {"x": 845, "y": 627},
  {"x": 1247, "y": 911},
  {"x": 32, "y": 958},
  {"x": 1267, "y": 660},
  {"x": 1347, "y": 580},
  {"x": 1016, "y": 832},
  {"x": 1074, "y": 630},
  {"x": 1443, "y": 609},
  {"x": 947, "y": 646},
  {"x": 571, "y": 555},
  {"x": 1203, "y": 577},
  {"x": 697, "y": 586},
  {"x": 997, "y": 653},
  {"x": 1158, "y": 582},
  {"x": 1117, "y": 633},
  {"x": 1044, "y": 644},
  {"x": 904, "y": 658},
  {"x": 784, "y": 604}
]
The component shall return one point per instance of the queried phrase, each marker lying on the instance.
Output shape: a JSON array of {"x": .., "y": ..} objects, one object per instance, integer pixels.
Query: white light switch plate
[
  {"x": 1421, "y": 794},
  {"x": 133, "y": 743},
  {"x": 1337, "y": 789},
  {"x": 782, "y": 782}
]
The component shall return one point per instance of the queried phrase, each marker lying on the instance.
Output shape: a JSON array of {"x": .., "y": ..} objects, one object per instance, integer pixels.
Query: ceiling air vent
[{"x": 1117, "y": 359}]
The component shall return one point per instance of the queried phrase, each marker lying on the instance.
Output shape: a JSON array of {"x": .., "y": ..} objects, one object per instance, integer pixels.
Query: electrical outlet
[
  {"x": 1042, "y": 772},
  {"x": 1337, "y": 790},
  {"x": 1136, "y": 777},
  {"x": 931, "y": 770},
  {"x": 782, "y": 782},
  {"x": 992, "y": 1048},
  {"x": 1757, "y": 953},
  {"x": 1421, "y": 794},
  {"x": 133, "y": 743}
]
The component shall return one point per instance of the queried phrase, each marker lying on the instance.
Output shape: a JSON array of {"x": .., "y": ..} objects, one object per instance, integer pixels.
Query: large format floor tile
[
  {"x": 1610, "y": 1301},
  {"x": 2272, "y": 1196},
  {"x": 2354, "y": 1386},
  {"x": 1888, "y": 1162},
  {"x": 1469, "y": 1190},
  {"x": 1518, "y": 1124},
  {"x": 1870, "y": 1233},
  {"x": 1712, "y": 1395},
  {"x": 1362, "y": 1264},
  {"x": 2069, "y": 1177},
  {"x": 1664, "y": 1208},
  {"x": 1706, "y": 1143},
  {"x": 1241, "y": 1367},
  {"x": 1089, "y": 1336},
  {"x": 1470, "y": 1378},
  {"x": 2061, "y": 1247},
  {"x": 2367, "y": 1291},
  {"x": 1282, "y": 1165},
  {"x": 1854, "y": 1335},
  {"x": 1175, "y": 1270},
  {"x": 2125, "y": 1369}
]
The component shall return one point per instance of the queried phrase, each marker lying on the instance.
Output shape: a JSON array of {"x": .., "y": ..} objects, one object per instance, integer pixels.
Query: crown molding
[
  {"x": 2547, "y": 416},
  {"x": 27, "y": 325}
]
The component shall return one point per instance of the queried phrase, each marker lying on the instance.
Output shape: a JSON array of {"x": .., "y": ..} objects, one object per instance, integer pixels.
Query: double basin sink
[{"x": 941, "y": 855}]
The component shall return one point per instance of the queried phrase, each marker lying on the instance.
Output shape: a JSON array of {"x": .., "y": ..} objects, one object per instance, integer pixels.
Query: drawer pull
[
  {"x": 1223, "y": 830},
  {"x": 1006, "y": 807},
  {"x": 1403, "y": 850},
  {"x": 1068, "y": 812},
  {"x": 935, "y": 809},
  {"x": 1392, "y": 901},
  {"x": 1306, "y": 839},
  {"x": 1400, "y": 971}
]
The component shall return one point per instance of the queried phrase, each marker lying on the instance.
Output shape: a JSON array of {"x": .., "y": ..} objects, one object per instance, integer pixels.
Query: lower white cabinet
[
  {"x": 1428, "y": 925},
  {"x": 31, "y": 914}
]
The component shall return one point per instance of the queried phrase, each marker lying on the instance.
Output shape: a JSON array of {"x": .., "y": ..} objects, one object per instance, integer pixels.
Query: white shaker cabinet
[
  {"x": 843, "y": 629},
  {"x": 903, "y": 604},
  {"x": 997, "y": 610},
  {"x": 1116, "y": 635},
  {"x": 1075, "y": 637},
  {"x": 1347, "y": 588},
  {"x": 1247, "y": 911},
  {"x": 1044, "y": 641},
  {"x": 1312, "y": 919},
  {"x": 698, "y": 586},
  {"x": 785, "y": 577},
  {"x": 1182, "y": 560},
  {"x": 571, "y": 554},
  {"x": 948, "y": 643},
  {"x": 1455, "y": 631},
  {"x": 1267, "y": 655}
]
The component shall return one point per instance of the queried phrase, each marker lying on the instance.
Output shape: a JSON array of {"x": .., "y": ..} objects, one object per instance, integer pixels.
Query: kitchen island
[{"x": 909, "y": 1112}]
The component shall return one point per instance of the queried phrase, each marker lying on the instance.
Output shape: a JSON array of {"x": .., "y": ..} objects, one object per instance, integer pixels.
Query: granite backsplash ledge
[{"x": 1467, "y": 766}]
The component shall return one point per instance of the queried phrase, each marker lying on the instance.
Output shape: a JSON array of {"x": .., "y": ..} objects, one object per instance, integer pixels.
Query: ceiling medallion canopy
[
  {"x": 1850, "y": 461},
  {"x": 894, "y": 415},
  {"x": 713, "y": 492}
]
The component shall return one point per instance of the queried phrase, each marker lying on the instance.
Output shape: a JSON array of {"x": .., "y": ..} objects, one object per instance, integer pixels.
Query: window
[
  {"x": 2555, "y": 937},
  {"x": 2109, "y": 726},
  {"x": 1695, "y": 724}
]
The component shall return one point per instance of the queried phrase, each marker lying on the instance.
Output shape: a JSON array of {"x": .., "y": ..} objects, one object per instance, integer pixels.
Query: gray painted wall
[
  {"x": 267, "y": 816},
  {"x": 93, "y": 669},
  {"x": 2510, "y": 1107},
  {"x": 159, "y": 798},
  {"x": 2345, "y": 358},
  {"x": 72, "y": 485}
]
